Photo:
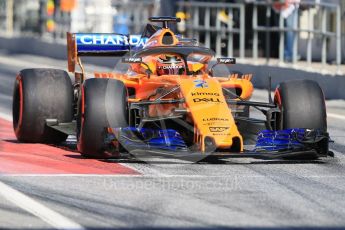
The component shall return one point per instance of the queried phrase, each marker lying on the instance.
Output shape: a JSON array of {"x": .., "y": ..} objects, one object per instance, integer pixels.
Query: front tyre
[
  {"x": 103, "y": 104},
  {"x": 302, "y": 105}
]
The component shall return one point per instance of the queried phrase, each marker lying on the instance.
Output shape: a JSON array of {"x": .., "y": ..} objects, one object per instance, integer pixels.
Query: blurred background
[{"x": 285, "y": 31}]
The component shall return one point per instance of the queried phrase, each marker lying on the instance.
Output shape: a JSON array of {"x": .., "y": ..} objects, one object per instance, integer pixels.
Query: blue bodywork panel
[
  {"x": 108, "y": 43},
  {"x": 288, "y": 139},
  {"x": 145, "y": 138}
]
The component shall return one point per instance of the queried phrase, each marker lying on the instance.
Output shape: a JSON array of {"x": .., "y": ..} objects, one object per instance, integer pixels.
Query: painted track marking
[
  {"x": 26, "y": 158},
  {"x": 337, "y": 116},
  {"x": 6, "y": 117},
  {"x": 49, "y": 216},
  {"x": 54, "y": 219}
]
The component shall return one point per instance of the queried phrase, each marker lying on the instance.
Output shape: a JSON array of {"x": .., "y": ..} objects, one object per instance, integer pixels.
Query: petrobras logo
[{"x": 114, "y": 40}]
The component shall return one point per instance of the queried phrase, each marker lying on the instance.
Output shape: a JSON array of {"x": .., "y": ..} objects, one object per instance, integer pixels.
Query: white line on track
[
  {"x": 49, "y": 216},
  {"x": 161, "y": 176},
  {"x": 66, "y": 175},
  {"x": 5, "y": 116},
  {"x": 337, "y": 116}
]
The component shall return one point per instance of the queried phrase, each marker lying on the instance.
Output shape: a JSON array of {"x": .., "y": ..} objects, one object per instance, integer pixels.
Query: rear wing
[{"x": 100, "y": 44}]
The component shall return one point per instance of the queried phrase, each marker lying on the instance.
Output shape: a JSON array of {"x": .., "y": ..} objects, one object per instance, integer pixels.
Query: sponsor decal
[
  {"x": 207, "y": 100},
  {"x": 205, "y": 94},
  {"x": 170, "y": 67},
  {"x": 212, "y": 123},
  {"x": 132, "y": 60},
  {"x": 215, "y": 119},
  {"x": 226, "y": 60},
  {"x": 221, "y": 134},
  {"x": 200, "y": 84},
  {"x": 110, "y": 39},
  {"x": 218, "y": 129}
]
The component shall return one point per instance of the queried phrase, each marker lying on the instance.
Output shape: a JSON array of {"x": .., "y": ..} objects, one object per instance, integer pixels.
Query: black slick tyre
[
  {"x": 41, "y": 94},
  {"x": 103, "y": 104},
  {"x": 302, "y": 105}
]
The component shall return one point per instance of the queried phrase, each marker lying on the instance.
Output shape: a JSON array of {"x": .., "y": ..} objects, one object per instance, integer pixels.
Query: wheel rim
[
  {"x": 18, "y": 105},
  {"x": 81, "y": 117}
]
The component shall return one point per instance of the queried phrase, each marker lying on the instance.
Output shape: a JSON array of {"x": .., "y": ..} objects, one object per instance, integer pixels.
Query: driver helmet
[{"x": 169, "y": 64}]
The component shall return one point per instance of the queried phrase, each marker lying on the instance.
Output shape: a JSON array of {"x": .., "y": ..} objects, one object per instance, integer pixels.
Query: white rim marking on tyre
[{"x": 49, "y": 216}]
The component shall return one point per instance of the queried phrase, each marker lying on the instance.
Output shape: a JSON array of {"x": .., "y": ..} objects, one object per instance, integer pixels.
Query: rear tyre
[
  {"x": 40, "y": 94},
  {"x": 302, "y": 105},
  {"x": 103, "y": 104}
]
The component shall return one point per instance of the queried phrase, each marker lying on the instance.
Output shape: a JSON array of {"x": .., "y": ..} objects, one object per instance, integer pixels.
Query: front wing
[{"x": 290, "y": 143}]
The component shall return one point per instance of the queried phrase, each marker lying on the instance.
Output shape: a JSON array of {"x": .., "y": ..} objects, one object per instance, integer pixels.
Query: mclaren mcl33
[{"x": 170, "y": 102}]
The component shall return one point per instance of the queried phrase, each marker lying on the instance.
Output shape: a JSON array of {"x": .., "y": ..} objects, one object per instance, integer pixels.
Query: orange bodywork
[
  {"x": 205, "y": 105},
  {"x": 207, "y": 108}
]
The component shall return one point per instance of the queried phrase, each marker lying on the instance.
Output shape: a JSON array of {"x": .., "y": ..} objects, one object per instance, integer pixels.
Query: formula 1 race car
[{"x": 170, "y": 102}]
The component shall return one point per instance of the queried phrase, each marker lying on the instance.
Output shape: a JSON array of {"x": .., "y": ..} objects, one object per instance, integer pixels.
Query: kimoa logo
[
  {"x": 218, "y": 129},
  {"x": 204, "y": 94}
]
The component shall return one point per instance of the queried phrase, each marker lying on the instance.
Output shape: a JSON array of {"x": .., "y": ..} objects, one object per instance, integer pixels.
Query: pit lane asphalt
[{"x": 177, "y": 194}]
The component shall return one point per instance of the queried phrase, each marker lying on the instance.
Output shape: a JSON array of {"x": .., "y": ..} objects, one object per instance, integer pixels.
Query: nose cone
[{"x": 210, "y": 113}]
